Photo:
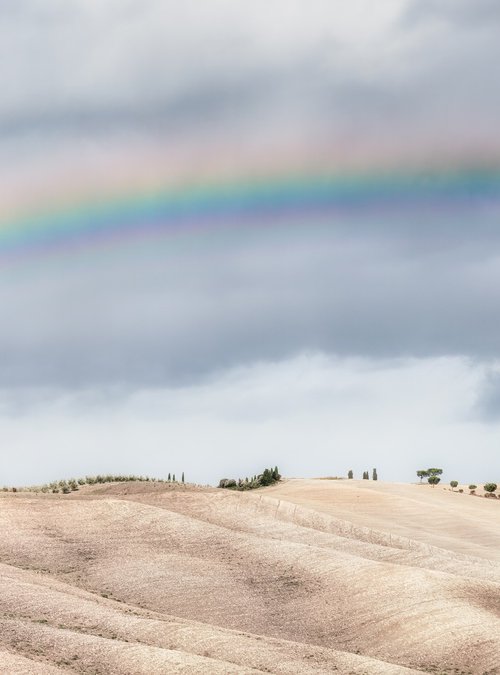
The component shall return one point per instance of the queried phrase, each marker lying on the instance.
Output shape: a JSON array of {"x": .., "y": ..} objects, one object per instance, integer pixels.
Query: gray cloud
[
  {"x": 466, "y": 13},
  {"x": 487, "y": 405},
  {"x": 178, "y": 310},
  {"x": 200, "y": 344},
  {"x": 383, "y": 285},
  {"x": 166, "y": 68}
]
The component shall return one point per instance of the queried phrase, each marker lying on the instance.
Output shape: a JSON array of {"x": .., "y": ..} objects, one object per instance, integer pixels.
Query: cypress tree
[
  {"x": 169, "y": 479},
  {"x": 182, "y": 479},
  {"x": 173, "y": 478},
  {"x": 266, "y": 478},
  {"x": 374, "y": 475},
  {"x": 350, "y": 474}
]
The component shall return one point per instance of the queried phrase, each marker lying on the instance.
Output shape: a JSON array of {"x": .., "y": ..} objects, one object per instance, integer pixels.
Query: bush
[
  {"x": 227, "y": 483},
  {"x": 472, "y": 487},
  {"x": 490, "y": 488}
]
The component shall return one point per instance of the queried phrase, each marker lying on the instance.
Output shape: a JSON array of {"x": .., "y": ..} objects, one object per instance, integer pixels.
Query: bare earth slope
[{"x": 306, "y": 577}]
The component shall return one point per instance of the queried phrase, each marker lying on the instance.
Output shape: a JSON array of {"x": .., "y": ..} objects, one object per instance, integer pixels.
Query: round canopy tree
[{"x": 490, "y": 488}]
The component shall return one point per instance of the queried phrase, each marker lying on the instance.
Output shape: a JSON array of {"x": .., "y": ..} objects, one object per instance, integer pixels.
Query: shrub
[
  {"x": 490, "y": 488},
  {"x": 472, "y": 487},
  {"x": 454, "y": 484},
  {"x": 227, "y": 483}
]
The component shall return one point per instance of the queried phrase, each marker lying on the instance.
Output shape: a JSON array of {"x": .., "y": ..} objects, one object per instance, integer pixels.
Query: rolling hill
[{"x": 307, "y": 576}]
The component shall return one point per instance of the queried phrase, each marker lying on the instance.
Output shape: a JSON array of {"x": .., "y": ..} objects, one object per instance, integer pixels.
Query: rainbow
[{"x": 165, "y": 212}]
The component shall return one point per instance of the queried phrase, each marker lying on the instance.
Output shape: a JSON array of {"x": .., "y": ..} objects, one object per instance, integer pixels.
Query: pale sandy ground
[{"x": 308, "y": 576}]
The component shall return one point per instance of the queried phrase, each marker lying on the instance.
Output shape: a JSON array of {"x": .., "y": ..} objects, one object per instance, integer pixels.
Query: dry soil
[{"x": 309, "y": 576}]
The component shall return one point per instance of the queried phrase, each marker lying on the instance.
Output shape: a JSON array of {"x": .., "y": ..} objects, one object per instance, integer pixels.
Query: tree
[
  {"x": 182, "y": 479},
  {"x": 266, "y": 478},
  {"x": 173, "y": 478},
  {"x": 350, "y": 474},
  {"x": 453, "y": 484},
  {"x": 422, "y": 473},
  {"x": 365, "y": 475},
  {"x": 169, "y": 478},
  {"x": 374, "y": 475},
  {"x": 490, "y": 487},
  {"x": 433, "y": 480},
  {"x": 472, "y": 489},
  {"x": 434, "y": 472}
]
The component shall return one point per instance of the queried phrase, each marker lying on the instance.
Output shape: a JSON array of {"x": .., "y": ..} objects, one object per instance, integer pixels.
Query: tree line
[
  {"x": 267, "y": 477},
  {"x": 72, "y": 484},
  {"x": 433, "y": 478},
  {"x": 366, "y": 474}
]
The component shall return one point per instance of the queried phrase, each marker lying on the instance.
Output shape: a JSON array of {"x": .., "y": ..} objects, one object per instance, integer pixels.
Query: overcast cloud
[{"x": 98, "y": 95}]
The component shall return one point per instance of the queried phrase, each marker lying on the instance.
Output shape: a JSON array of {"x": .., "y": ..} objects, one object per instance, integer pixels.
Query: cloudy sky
[{"x": 347, "y": 332}]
